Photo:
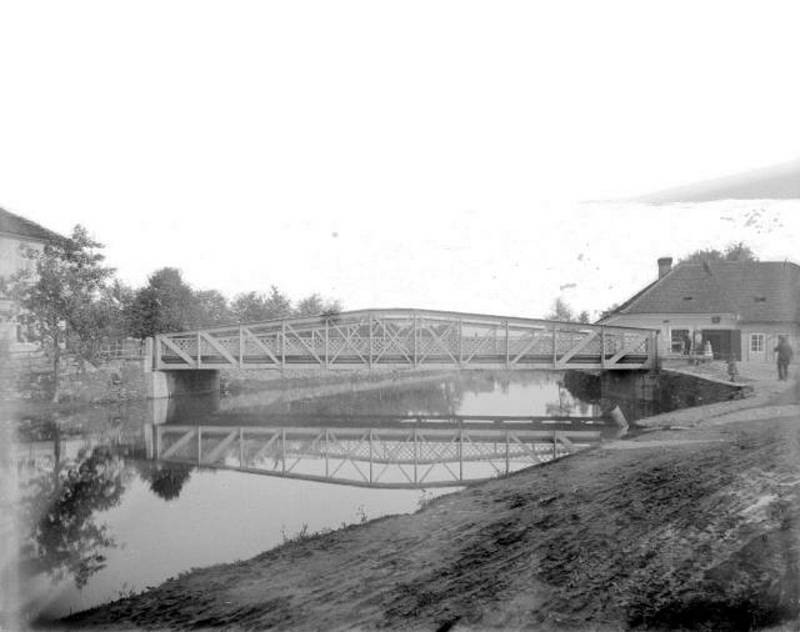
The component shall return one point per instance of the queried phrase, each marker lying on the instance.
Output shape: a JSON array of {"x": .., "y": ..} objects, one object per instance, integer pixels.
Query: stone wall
[
  {"x": 682, "y": 390},
  {"x": 29, "y": 377},
  {"x": 642, "y": 394}
]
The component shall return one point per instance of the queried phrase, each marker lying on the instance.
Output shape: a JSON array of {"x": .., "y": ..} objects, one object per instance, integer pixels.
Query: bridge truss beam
[
  {"x": 407, "y": 338},
  {"x": 398, "y": 458}
]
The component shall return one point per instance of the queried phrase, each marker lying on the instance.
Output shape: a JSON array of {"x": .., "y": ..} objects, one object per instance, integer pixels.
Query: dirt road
[{"x": 696, "y": 528}]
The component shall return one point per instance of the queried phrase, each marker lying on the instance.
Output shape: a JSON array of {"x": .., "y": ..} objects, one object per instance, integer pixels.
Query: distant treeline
[
  {"x": 70, "y": 302},
  {"x": 168, "y": 303}
]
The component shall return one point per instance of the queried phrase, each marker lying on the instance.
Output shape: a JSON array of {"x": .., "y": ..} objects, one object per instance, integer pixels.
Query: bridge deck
[{"x": 408, "y": 338}]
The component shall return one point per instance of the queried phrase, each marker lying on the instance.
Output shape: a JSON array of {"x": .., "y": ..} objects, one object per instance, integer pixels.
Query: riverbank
[
  {"x": 27, "y": 379},
  {"x": 691, "y": 528}
]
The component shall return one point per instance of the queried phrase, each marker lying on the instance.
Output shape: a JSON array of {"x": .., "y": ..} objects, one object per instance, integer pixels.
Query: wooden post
[
  {"x": 327, "y": 347},
  {"x": 508, "y": 346},
  {"x": 199, "y": 358},
  {"x": 283, "y": 450},
  {"x": 555, "y": 445},
  {"x": 199, "y": 444},
  {"x": 370, "y": 339},
  {"x": 370, "y": 455},
  {"x": 461, "y": 454},
  {"x": 283, "y": 344},
  {"x": 555, "y": 352},
  {"x": 241, "y": 447},
  {"x": 508, "y": 468},
  {"x": 602, "y": 346},
  {"x": 241, "y": 347},
  {"x": 652, "y": 351},
  {"x": 325, "y": 451},
  {"x": 460, "y": 341},
  {"x": 416, "y": 456},
  {"x": 415, "y": 339}
]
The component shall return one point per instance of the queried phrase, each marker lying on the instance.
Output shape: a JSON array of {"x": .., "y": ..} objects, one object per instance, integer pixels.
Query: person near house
[
  {"x": 687, "y": 344},
  {"x": 697, "y": 347},
  {"x": 732, "y": 370},
  {"x": 785, "y": 353}
]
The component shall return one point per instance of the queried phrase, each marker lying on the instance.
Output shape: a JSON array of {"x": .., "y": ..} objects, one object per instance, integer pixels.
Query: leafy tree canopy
[
  {"x": 65, "y": 297},
  {"x": 314, "y": 305},
  {"x": 737, "y": 251},
  {"x": 562, "y": 311}
]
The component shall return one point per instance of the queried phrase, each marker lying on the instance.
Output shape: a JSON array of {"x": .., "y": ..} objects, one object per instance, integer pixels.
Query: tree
[
  {"x": 607, "y": 312},
  {"x": 278, "y": 304},
  {"x": 737, "y": 251},
  {"x": 254, "y": 307},
  {"x": 314, "y": 305},
  {"x": 249, "y": 307},
  {"x": 211, "y": 308},
  {"x": 560, "y": 311},
  {"x": 166, "y": 303},
  {"x": 63, "y": 298}
]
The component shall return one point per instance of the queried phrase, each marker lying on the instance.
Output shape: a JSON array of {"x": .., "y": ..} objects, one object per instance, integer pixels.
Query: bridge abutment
[{"x": 165, "y": 384}]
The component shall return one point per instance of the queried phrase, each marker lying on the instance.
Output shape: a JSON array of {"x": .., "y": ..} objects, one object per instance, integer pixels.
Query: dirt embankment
[{"x": 696, "y": 529}]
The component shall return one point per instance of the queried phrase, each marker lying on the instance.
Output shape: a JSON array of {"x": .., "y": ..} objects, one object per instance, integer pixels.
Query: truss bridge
[
  {"x": 411, "y": 453},
  {"x": 406, "y": 338}
]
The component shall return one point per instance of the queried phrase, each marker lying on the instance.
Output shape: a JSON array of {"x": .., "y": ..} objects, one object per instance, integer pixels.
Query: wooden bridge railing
[{"x": 408, "y": 338}]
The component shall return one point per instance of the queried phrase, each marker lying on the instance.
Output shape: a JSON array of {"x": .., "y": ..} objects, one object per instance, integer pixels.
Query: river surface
[{"x": 113, "y": 500}]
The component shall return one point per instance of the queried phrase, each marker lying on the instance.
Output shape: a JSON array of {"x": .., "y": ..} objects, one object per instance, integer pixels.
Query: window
[
  {"x": 757, "y": 343},
  {"x": 678, "y": 340}
]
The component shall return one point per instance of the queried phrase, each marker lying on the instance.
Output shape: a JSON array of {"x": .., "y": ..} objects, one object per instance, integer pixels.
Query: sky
[{"x": 444, "y": 155}]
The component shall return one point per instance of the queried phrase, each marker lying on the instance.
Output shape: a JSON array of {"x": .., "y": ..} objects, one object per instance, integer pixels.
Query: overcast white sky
[{"x": 422, "y": 154}]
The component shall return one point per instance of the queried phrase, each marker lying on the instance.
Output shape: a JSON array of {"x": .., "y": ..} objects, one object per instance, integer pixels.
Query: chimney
[{"x": 664, "y": 266}]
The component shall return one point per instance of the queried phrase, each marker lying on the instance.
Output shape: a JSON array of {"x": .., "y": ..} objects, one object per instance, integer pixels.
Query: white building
[
  {"x": 741, "y": 308},
  {"x": 16, "y": 235}
]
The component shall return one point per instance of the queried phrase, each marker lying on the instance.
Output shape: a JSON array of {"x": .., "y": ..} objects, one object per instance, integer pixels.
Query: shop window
[{"x": 679, "y": 340}]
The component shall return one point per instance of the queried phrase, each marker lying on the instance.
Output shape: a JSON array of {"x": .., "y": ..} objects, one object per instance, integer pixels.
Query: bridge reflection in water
[{"x": 399, "y": 453}]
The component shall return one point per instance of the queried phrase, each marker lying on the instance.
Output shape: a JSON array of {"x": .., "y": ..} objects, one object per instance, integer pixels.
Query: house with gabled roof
[
  {"x": 16, "y": 234},
  {"x": 740, "y": 308}
]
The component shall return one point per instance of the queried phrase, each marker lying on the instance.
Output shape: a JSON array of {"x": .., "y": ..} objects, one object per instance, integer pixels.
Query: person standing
[{"x": 785, "y": 354}]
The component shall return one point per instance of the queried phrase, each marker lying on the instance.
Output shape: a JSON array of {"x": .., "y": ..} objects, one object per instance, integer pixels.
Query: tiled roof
[
  {"x": 19, "y": 226},
  {"x": 764, "y": 291}
]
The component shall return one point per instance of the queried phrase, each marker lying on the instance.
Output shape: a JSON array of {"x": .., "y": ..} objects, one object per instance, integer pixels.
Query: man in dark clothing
[{"x": 785, "y": 353}]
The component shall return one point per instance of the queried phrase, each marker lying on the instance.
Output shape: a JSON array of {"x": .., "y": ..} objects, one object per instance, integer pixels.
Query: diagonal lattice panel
[{"x": 407, "y": 338}]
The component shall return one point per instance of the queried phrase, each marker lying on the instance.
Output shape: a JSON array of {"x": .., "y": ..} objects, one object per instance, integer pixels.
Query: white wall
[
  {"x": 771, "y": 332},
  {"x": 665, "y": 323}
]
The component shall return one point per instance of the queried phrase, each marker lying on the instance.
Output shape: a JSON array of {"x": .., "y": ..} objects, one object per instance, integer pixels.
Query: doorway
[{"x": 724, "y": 342}]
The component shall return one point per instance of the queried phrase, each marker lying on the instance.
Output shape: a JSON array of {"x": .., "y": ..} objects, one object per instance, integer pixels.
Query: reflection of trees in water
[
  {"x": 611, "y": 391},
  {"x": 432, "y": 398},
  {"x": 166, "y": 480},
  {"x": 64, "y": 538},
  {"x": 441, "y": 398},
  {"x": 566, "y": 403}
]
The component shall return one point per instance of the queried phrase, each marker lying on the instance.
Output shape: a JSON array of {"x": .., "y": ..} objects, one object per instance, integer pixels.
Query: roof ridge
[{"x": 30, "y": 229}]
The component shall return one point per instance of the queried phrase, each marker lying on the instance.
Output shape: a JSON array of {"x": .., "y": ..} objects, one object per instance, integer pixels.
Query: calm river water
[{"x": 101, "y": 517}]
